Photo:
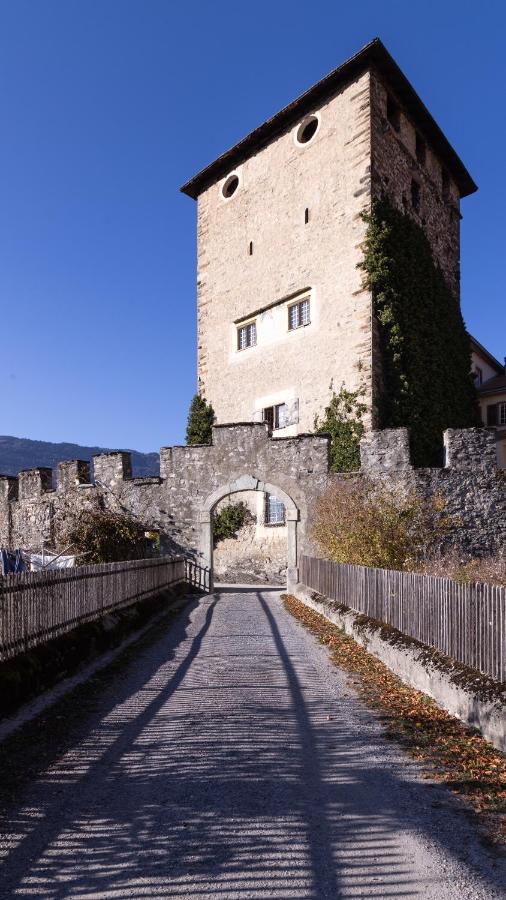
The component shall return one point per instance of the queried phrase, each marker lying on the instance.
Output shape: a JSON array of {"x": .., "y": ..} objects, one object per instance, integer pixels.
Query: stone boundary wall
[
  {"x": 471, "y": 484},
  {"x": 473, "y": 698},
  {"x": 243, "y": 457}
]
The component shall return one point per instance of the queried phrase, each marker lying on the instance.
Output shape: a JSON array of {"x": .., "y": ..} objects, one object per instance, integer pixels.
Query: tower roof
[{"x": 373, "y": 54}]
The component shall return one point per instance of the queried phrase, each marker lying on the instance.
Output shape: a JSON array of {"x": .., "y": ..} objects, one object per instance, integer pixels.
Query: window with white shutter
[{"x": 275, "y": 416}]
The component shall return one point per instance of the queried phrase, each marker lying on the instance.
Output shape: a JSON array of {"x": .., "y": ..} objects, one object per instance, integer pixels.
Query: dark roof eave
[
  {"x": 479, "y": 348},
  {"x": 373, "y": 54},
  {"x": 489, "y": 392}
]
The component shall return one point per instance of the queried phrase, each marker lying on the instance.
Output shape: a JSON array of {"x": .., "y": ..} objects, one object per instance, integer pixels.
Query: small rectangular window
[
  {"x": 247, "y": 336},
  {"x": 393, "y": 113},
  {"x": 298, "y": 314},
  {"x": 492, "y": 414},
  {"x": 478, "y": 376},
  {"x": 274, "y": 510},
  {"x": 415, "y": 195},
  {"x": 420, "y": 149},
  {"x": 502, "y": 414},
  {"x": 275, "y": 416}
]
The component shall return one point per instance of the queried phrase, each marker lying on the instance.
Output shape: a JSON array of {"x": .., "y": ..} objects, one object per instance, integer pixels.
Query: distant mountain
[{"x": 22, "y": 453}]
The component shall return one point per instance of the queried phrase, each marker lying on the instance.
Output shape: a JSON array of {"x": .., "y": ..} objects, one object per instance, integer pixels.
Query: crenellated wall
[
  {"x": 192, "y": 480},
  {"x": 172, "y": 503},
  {"x": 471, "y": 484}
]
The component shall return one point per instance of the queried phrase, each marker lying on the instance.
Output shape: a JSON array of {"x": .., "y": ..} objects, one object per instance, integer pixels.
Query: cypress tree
[{"x": 200, "y": 421}]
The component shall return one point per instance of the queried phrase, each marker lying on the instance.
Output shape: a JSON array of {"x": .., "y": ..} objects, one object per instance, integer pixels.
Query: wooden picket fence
[
  {"x": 464, "y": 621},
  {"x": 38, "y": 606}
]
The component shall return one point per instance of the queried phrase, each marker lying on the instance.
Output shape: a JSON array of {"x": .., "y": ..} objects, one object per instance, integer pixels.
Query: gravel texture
[{"x": 227, "y": 758}]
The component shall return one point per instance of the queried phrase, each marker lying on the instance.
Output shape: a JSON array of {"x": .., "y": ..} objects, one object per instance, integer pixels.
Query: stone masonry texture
[
  {"x": 330, "y": 178},
  {"x": 472, "y": 486},
  {"x": 256, "y": 251},
  {"x": 394, "y": 165}
]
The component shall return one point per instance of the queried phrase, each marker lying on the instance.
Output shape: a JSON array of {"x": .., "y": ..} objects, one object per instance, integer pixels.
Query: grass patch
[{"x": 450, "y": 751}]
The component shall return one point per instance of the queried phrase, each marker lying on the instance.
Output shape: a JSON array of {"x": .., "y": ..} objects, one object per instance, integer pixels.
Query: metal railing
[
  {"x": 197, "y": 576},
  {"x": 464, "y": 621}
]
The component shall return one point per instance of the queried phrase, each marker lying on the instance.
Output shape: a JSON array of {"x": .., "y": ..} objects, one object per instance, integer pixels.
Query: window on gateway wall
[{"x": 274, "y": 510}]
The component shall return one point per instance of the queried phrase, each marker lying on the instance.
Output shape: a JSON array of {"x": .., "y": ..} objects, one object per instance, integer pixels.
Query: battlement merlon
[
  {"x": 239, "y": 434},
  {"x": 71, "y": 473},
  {"x": 110, "y": 469},
  {"x": 471, "y": 449},
  {"x": 385, "y": 451},
  {"x": 34, "y": 483},
  {"x": 8, "y": 488}
]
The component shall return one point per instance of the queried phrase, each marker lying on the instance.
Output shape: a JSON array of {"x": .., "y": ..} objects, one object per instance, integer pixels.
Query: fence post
[
  {"x": 467, "y": 622},
  {"x": 37, "y": 606}
]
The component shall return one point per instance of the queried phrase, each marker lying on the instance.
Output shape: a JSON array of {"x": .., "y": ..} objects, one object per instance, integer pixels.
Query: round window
[
  {"x": 307, "y": 130},
  {"x": 230, "y": 186}
]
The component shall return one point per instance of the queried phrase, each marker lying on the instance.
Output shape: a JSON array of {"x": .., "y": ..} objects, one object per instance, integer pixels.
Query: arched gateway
[
  {"x": 238, "y": 485},
  {"x": 179, "y": 502}
]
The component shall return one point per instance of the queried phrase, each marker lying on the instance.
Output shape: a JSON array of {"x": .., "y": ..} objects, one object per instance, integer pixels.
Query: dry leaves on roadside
[{"x": 457, "y": 755}]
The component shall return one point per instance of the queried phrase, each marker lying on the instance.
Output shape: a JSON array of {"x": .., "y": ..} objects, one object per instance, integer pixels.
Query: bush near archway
[
  {"x": 229, "y": 521},
  {"x": 359, "y": 522}
]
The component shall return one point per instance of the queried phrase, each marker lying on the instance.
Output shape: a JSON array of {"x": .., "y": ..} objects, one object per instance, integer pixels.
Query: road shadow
[{"x": 210, "y": 767}]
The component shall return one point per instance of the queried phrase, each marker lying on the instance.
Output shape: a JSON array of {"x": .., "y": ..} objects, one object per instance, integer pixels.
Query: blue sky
[{"x": 108, "y": 106}]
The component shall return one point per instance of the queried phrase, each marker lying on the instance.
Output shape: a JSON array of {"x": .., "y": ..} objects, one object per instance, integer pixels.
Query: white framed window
[
  {"x": 274, "y": 510},
  {"x": 501, "y": 414},
  {"x": 299, "y": 314},
  {"x": 247, "y": 335},
  {"x": 275, "y": 416},
  {"x": 478, "y": 376}
]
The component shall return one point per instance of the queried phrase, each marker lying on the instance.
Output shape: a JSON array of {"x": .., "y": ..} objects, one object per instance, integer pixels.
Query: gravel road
[{"x": 226, "y": 758}]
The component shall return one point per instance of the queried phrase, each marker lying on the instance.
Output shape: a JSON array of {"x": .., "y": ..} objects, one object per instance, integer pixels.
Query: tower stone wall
[
  {"x": 394, "y": 165},
  {"x": 294, "y": 228},
  {"x": 257, "y": 254}
]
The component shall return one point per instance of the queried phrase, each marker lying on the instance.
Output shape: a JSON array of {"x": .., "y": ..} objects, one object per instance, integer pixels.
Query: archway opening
[
  {"x": 249, "y": 533},
  {"x": 250, "y": 539}
]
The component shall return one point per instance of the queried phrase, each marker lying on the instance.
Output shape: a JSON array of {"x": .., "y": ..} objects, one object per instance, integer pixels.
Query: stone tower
[{"x": 282, "y": 312}]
